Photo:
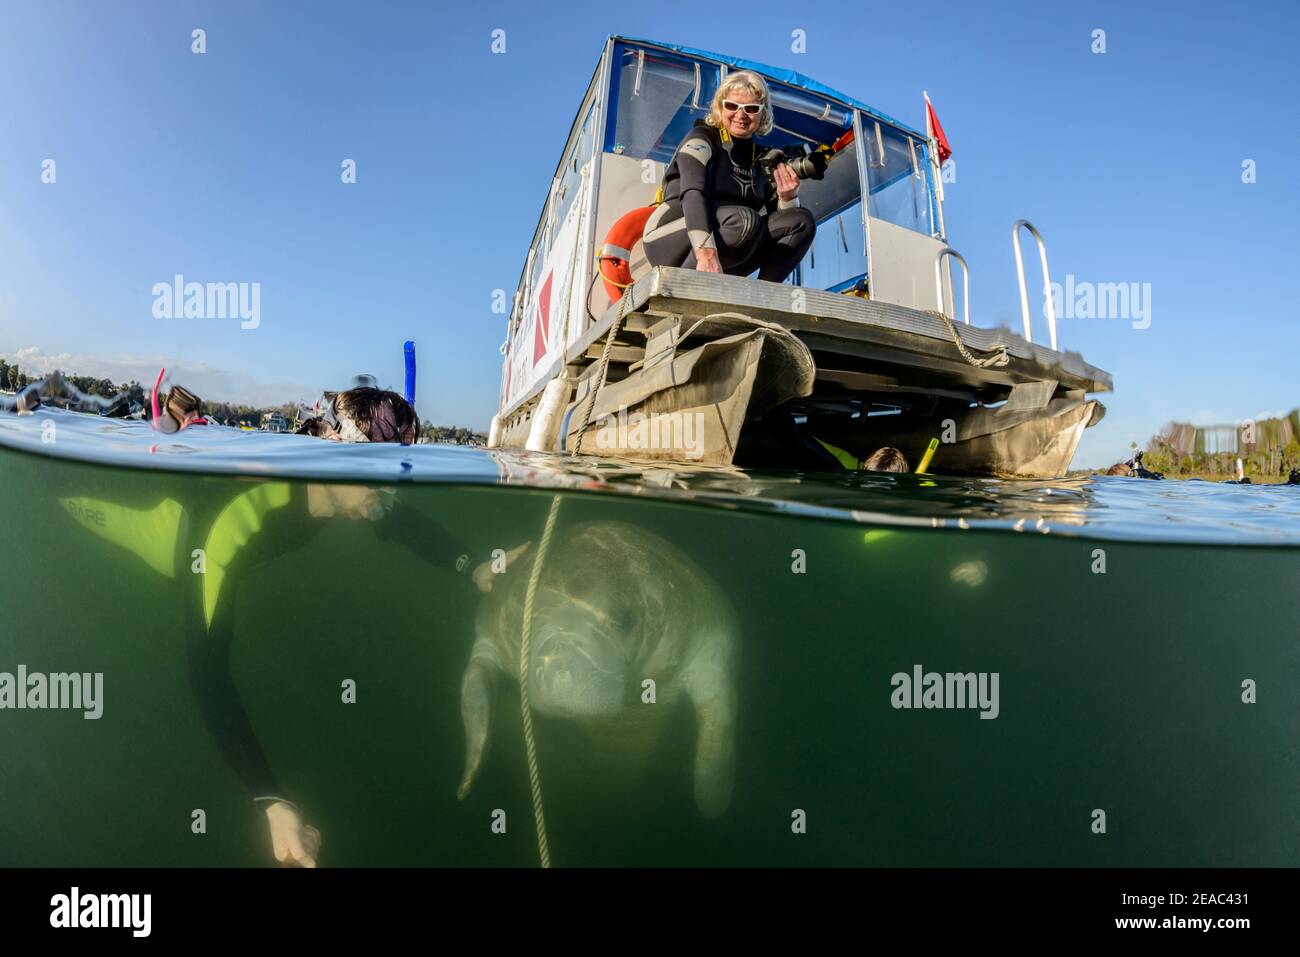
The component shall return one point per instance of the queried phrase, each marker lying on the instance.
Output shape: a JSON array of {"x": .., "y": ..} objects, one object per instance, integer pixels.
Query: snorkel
[
  {"x": 408, "y": 351},
  {"x": 925, "y": 461},
  {"x": 153, "y": 399},
  {"x": 184, "y": 408},
  {"x": 929, "y": 454}
]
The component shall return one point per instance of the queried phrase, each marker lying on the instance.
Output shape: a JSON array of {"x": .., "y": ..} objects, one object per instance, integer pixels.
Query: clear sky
[{"x": 226, "y": 166}]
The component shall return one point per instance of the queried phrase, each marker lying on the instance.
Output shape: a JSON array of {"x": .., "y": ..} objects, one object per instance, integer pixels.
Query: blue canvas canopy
[{"x": 788, "y": 77}]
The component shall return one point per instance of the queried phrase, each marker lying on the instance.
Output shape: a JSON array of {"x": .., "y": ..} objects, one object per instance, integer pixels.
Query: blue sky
[{"x": 226, "y": 167}]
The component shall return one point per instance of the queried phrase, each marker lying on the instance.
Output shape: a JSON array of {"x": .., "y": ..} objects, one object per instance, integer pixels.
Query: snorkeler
[
  {"x": 1134, "y": 468},
  {"x": 212, "y": 545},
  {"x": 181, "y": 410},
  {"x": 27, "y": 400},
  {"x": 364, "y": 414},
  {"x": 887, "y": 459}
]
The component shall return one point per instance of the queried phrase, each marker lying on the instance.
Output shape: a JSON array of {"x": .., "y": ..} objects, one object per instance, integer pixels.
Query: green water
[{"x": 1119, "y": 691}]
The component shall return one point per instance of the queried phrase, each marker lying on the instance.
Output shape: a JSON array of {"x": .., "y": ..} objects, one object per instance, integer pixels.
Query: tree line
[{"x": 1268, "y": 448}]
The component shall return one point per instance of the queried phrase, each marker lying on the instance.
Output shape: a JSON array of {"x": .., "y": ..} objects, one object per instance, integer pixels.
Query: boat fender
[
  {"x": 615, "y": 259},
  {"x": 546, "y": 419},
  {"x": 494, "y": 433}
]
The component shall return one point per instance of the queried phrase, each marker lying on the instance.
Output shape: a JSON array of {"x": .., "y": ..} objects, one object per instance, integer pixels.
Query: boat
[
  {"x": 274, "y": 422},
  {"x": 861, "y": 348}
]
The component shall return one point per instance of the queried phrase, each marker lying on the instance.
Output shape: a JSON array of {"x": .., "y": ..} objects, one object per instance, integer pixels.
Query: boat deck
[{"x": 882, "y": 347}]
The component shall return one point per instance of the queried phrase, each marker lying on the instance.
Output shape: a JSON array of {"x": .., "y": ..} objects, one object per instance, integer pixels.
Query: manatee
[{"x": 615, "y": 604}]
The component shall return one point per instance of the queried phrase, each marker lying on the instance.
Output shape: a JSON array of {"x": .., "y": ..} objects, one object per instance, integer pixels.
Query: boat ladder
[{"x": 1049, "y": 305}]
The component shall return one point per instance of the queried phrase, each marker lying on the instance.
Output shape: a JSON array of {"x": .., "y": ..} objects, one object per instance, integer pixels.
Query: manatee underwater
[{"x": 615, "y": 604}]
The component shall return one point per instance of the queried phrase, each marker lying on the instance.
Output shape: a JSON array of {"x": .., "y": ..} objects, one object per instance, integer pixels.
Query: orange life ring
[{"x": 616, "y": 254}]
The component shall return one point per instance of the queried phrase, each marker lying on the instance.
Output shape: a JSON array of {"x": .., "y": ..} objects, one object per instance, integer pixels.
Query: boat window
[
  {"x": 659, "y": 98},
  {"x": 838, "y": 257},
  {"x": 535, "y": 276},
  {"x": 787, "y": 99},
  {"x": 838, "y": 252},
  {"x": 802, "y": 117},
  {"x": 570, "y": 175},
  {"x": 840, "y": 185},
  {"x": 896, "y": 169}
]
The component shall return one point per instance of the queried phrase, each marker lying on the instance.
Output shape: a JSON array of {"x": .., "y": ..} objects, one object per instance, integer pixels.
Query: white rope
[
  {"x": 999, "y": 356},
  {"x": 526, "y": 711},
  {"x": 624, "y": 302}
]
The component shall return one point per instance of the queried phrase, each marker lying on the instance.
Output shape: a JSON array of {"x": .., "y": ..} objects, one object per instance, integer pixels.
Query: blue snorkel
[{"x": 408, "y": 349}]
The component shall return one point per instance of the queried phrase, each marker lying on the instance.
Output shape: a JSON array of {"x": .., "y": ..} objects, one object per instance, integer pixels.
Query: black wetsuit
[
  {"x": 210, "y": 626},
  {"x": 238, "y": 533},
  {"x": 716, "y": 197}
]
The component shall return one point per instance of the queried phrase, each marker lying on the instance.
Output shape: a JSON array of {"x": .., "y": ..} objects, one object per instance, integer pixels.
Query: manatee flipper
[
  {"x": 708, "y": 683},
  {"x": 477, "y": 693}
]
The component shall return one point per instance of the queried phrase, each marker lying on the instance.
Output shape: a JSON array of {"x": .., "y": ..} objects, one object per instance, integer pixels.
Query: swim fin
[{"x": 148, "y": 533}]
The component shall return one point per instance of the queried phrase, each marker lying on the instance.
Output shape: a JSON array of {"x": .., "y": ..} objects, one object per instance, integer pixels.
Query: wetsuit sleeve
[
  {"x": 775, "y": 203},
  {"x": 692, "y": 170},
  {"x": 208, "y": 651},
  {"x": 429, "y": 541}
]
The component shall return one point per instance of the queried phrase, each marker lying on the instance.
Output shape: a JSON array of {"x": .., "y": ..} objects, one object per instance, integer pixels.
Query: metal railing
[
  {"x": 938, "y": 282},
  {"x": 1049, "y": 305}
]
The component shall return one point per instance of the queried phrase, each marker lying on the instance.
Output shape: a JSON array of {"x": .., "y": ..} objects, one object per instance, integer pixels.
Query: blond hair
[{"x": 755, "y": 85}]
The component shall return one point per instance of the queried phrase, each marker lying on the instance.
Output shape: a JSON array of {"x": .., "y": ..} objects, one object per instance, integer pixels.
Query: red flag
[{"x": 936, "y": 132}]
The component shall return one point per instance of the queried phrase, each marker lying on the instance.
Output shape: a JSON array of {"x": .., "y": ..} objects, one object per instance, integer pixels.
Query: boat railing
[
  {"x": 1049, "y": 304},
  {"x": 949, "y": 252}
]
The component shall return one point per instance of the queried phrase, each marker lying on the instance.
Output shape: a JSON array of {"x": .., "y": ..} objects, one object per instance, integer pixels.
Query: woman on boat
[{"x": 719, "y": 213}]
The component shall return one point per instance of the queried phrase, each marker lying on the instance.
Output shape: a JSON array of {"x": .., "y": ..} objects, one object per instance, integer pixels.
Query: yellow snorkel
[{"x": 929, "y": 454}]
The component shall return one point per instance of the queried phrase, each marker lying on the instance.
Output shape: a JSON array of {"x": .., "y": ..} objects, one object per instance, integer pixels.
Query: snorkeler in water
[
  {"x": 364, "y": 414},
  {"x": 213, "y": 545}
]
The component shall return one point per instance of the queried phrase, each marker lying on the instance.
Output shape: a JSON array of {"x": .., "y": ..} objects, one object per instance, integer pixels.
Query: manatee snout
[{"x": 577, "y": 673}]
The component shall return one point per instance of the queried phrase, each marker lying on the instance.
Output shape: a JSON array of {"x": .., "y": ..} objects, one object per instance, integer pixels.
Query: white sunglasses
[{"x": 731, "y": 106}]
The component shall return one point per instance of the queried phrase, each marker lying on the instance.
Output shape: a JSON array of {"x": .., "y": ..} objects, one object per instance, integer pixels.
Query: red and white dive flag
[{"x": 935, "y": 131}]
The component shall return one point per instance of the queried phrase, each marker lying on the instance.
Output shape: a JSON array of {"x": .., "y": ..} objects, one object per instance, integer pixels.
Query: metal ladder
[
  {"x": 944, "y": 253},
  {"x": 1049, "y": 304}
]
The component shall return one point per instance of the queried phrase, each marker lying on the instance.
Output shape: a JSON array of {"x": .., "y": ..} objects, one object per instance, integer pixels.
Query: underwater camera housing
[{"x": 806, "y": 163}]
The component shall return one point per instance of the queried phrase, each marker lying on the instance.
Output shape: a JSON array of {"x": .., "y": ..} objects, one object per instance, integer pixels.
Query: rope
[
  {"x": 603, "y": 366},
  {"x": 1000, "y": 357},
  {"x": 600, "y": 261},
  {"x": 525, "y": 709}
]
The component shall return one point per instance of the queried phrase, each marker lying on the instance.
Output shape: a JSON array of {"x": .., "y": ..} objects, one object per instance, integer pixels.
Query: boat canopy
[
  {"x": 658, "y": 90},
  {"x": 789, "y": 77}
]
